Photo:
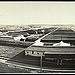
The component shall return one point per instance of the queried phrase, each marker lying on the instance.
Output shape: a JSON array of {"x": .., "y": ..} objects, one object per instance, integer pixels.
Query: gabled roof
[
  {"x": 61, "y": 44},
  {"x": 58, "y": 34}
]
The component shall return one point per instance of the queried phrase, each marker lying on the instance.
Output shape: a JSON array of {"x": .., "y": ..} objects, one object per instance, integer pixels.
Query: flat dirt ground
[{"x": 9, "y": 52}]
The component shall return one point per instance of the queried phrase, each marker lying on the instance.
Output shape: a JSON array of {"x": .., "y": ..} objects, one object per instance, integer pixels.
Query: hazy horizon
[{"x": 26, "y": 13}]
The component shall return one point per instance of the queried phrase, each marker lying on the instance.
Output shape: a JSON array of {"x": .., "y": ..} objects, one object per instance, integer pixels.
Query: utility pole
[{"x": 41, "y": 62}]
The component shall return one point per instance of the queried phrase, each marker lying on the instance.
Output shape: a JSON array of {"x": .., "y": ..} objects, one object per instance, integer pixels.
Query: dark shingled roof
[{"x": 61, "y": 34}]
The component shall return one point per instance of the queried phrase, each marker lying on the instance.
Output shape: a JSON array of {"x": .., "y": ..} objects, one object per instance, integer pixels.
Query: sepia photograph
[{"x": 37, "y": 37}]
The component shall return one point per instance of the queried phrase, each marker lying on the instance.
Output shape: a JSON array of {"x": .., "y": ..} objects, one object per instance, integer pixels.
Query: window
[
  {"x": 27, "y": 52},
  {"x": 43, "y": 53},
  {"x": 32, "y": 52},
  {"x": 37, "y": 52}
]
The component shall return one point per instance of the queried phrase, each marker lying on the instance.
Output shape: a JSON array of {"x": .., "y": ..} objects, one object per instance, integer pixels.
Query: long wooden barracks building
[{"x": 54, "y": 50}]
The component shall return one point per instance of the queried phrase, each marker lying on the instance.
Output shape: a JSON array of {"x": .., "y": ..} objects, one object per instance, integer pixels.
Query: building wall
[{"x": 34, "y": 53}]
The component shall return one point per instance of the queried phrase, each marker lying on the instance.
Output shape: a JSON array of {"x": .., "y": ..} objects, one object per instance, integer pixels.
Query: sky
[{"x": 38, "y": 12}]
